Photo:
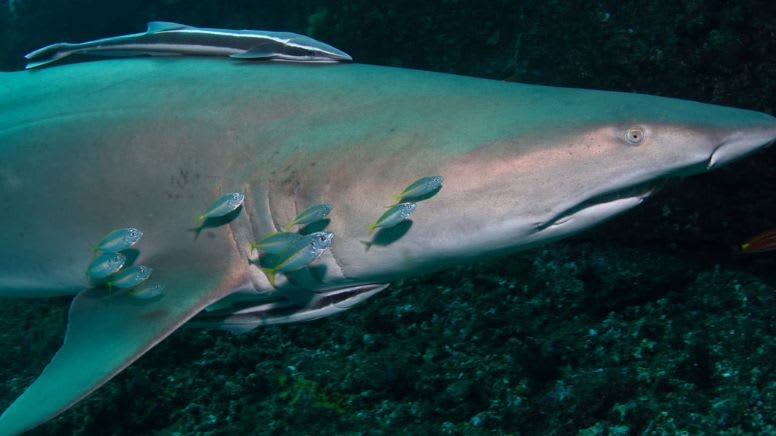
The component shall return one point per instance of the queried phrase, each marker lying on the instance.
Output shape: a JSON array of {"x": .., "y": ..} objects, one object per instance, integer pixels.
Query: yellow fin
[{"x": 270, "y": 273}]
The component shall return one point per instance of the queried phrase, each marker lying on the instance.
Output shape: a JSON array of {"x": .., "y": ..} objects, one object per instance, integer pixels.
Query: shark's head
[
  {"x": 563, "y": 162},
  {"x": 606, "y": 153},
  {"x": 301, "y": 48}
]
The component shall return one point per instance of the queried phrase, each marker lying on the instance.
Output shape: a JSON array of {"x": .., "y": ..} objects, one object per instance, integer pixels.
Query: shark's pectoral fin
[{"x": 105, "y": 333}]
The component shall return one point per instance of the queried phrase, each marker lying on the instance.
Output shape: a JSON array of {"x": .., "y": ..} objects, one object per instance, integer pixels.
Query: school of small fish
[
  {"x": 405, "y": 203},
  {"x": 299, "y": 254},
  {"x": 292, "y": 251},
  {"x": 107, "y": 266}
]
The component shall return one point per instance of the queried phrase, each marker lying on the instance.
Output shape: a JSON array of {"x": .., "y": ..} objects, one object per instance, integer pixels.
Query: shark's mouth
[{"x": 601, "y": 206}]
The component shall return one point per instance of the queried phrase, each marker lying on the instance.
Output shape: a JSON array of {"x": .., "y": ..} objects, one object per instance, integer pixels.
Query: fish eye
[{"x": 635, "y": 135}]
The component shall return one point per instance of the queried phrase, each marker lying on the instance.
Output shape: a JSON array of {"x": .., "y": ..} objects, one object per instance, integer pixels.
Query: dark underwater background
[{"x": 649, "y": 324}]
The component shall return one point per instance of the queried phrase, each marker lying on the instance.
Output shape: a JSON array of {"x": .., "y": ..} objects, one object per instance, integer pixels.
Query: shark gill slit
[
  {"x": 297, "y": 189},
  {"x": 249, "y": 210},
  {"x": 252, "y": 223},
  {"x": 325, "y": 197},
  {"x": 340, "y": 270},
  {"x": 233, "y": 238},
  {"x": 270, "y": 209}
]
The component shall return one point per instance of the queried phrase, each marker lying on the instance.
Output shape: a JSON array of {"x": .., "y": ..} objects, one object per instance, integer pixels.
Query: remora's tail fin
[
  {"x": 105, "y": 334},
  {"x": 47, "y": 54}
]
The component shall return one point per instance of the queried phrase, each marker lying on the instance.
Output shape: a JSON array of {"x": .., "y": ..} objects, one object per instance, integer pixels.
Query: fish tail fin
[
  {"x": 367, "y": 244},
  {"x": 47, "y": 54},
  {"x": 200, "y": 219},
  {"x": 270, "y": 273},
  {"x": 197, "y": 230},
  {"x": 288, "y": 226},
  {"x": 396, "y": 200}
]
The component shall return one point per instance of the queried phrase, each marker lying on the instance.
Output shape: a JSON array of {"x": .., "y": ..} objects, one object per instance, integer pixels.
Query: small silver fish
[
  {"x": 276, "y": 242},
  {"x": 105, "y": 265},
  {"x": 165, "y": 38},
  {"x": 300, "y": 254},
  {"x": 118, "y": 240},
  {"x": 419, "y": 189},
  {"x": 223, "y": 205},
  {"x": 147, "y": 291},
  {"x": 130, "y": 277},
  {"x": 392, "y": 217},
  {"x": 311, "y": 215}
]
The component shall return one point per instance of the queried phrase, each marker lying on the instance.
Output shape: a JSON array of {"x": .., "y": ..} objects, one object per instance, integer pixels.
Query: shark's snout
[{"x": 743, "y": 141}]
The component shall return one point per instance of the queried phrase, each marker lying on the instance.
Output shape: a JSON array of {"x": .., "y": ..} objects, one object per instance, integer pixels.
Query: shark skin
[{"x": 149, "y": 143}]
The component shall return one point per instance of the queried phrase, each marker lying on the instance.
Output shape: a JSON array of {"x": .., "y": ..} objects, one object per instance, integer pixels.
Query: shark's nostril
[{"x": 714, "y": 157}]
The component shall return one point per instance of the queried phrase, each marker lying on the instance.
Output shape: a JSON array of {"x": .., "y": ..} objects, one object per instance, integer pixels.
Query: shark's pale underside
[{"x": 148, "y": 143}]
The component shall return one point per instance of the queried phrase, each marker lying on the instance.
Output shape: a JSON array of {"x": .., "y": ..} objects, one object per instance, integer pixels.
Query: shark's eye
[{"x": 635, "y": 135}]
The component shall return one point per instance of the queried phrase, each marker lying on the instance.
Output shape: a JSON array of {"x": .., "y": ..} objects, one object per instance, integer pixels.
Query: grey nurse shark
[{"x": 149, "y": 143}]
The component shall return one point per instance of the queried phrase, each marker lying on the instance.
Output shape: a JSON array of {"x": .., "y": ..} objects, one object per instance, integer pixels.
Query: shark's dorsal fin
[
  {"x": 107, "y": 332},
  {"x": 161, "y": 26}
]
